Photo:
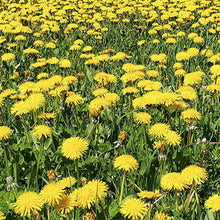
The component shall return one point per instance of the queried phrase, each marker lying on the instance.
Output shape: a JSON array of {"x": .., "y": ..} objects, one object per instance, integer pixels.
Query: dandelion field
[{"x": 110, "y": 109}]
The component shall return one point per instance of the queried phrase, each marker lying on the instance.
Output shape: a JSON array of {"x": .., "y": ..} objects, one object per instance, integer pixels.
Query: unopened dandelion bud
[
  {"x": 123, "y": 135},
  {"x": 94, "y": 112},
  {"x": 51, "y": 175},
  {"x": 89, "y": 216},
  {"x": 36, "y": 216}
]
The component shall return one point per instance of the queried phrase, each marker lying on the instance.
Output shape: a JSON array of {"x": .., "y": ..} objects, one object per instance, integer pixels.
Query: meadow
[{"x": 109, "y": 109}]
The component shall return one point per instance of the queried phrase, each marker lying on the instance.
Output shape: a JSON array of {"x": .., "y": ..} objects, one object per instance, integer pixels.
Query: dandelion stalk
[
  {"x": 189, "y": 198},
  {"x": 197, "y": 200},
  {"x": 103, "y": 210},
  {"x": 2, "y": 116},
  {"x": 6, "y": 158},
  {"x": 122, "y": 188},
  {"x": 75, "y": 113},
  {"x": 77, "y": 172},
  {"x": 39, "y": 157},
  {"x": 210, "y": 104},
  {"x": 131, "y": 108}
]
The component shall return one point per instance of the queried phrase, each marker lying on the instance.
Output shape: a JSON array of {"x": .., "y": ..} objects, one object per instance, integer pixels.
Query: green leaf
[{"x": 21, "y": 159}]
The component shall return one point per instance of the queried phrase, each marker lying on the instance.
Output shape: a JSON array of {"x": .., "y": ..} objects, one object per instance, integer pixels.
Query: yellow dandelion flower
[
  {"x": 159, "y": 145},
  {"x": 178, "y": 65},
  {"x": 27, "y": 203},
  {"x": 31, "y": 51},
  {"x": 64, "y": 63},
  {"x": 173, "y": 181},
  {"x": 2, "y": 217},
  {"x": 142, "y": 117},
  {"x": 126, "y": 162},
  {"x": 8, "y": 56},
  {"x": 187, "y": 93},
  {"x": 74, "y": 147},
  {"x": 48, "y": 115},
  {"x": 51, "y": 193},
  {"x": 20, "y": 108},
  {"x": 182, "y": 55},
  {"x": 104, "y": 78},
  {"x": 5, "y": 132},
  {"x": 172, "y": 138},
  {"x": 149, "y": 194},
  {"x": 42, "y": 130},
  {"x": 213, "y": 88},
  {"x": 85, "y": 197},
  {"x": 161, "y": 216},
  {"x": 35, "y": 101},
  {"x": 89, "y": 216},
  {"x": 100, "y": 92},
  {"x": 190, "y": 115},
  {"x": 213, "y": 203},
  {"x": 130, "y": 90},
  {"x": 159, "y": 130},
  {"x": 66, "y": 182},
  {"x": 152, "y": 73},
  {"x": 133, "y": 208},
  {"x": 195, "y": 173},
  {"x": 74, "y": 99},
  {"x": 69, "y": 80},
  {"x": 98, "y": 187},
  {"x": 66, "y": 204},
  {"x": 180, "y": 72},
  {"x": 42, "y": 75},
  {"x": 26, "y": 87}
]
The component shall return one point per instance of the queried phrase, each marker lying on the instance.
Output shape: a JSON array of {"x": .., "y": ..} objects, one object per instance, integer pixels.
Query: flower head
[
  {"x": 42, "y": 130},
  {"x": 126, "y": 162},
  {"x": 27, "y": 203},
  {"x": 2, "y": 217},
  {"x": 213, "y": 203},
  {"x": 133, "y": 208},
  {"x": 51, "y": 193},
  {"x": 142, "y": 117},
  {"x": 190, "y": 115},
  {"x": 173, "y": 181},
  {"x": 66, "y": 204},
  {"x": 149, "y": 194},
  {"x": 74, "y": 147},
  {"x": 195, "y": 173},
  {"x": 5, "y": 132},
  {"x": 8, "y": 56}
]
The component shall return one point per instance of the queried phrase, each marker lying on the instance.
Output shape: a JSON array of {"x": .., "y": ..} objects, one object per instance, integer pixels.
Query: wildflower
[
  {"x": 51, "y": 193},
  {"x": 74, "y": 99},
  {"x": 190, "y": 115},
  {"x": 159, "y": 130},
  {"x": 195, "y": 173},
  {"x": 66, "y": 182},
  {"x": 213, "y": 88},
  {"x": 5, "y": 132},
  {"x": 100, "y": 92},
  {"x": 87, "y": 48},
  {"x": 133, "y": 208},
  {"x": 187, "y": 93},
  {"x": 126, "y": 162},
  {"x": 48, "y": 115},
  {"x": 26, "y": 87},
  {"x": 35, "y": 101},
  {"x": 159, "y": 145},
  {"x": 51, "y": 175},
  {"x": 74, "y": 147},
  {"x": 152, "y": 73},
  {"x": 141, "y": 42},
  {"x": 20, "y": 108},
  {"x": 69, "y": 80},
  {"x": 84, "y": 196},
  {"x": 103, "y": 78},
  {"x": 182, "y": 55},
  {"x": 130, "y": 90},
  {"x": 27, "y": 203},
  {"x": 142, "y": 117},
  {"x": 8, "y": 56},
  {"x": 42, "y": 75},
  {"x": 173, "y": 181},
  {"x": 198, "y": 39},
  {"x": 2, "y": 217},
  {"x": 30, "y": 51},
  {"x": 161, "y": 216},
  {"x": 98, "y": 187},
  {"x": 42, "y": 130},
  {"x": 10, "y": 184},
  {"x": 178, "y": 65},
  {"x": 149, "y": 194},
  {"x": 172, "y": 138},
  {"x": 66, "y": 204},
  {"x": 180, "y": 72},
  {"x": 89, "y": 216},
  {"x": 213, "y": 203},
  {"x": 193, "y": 51},
  {"x": 64, "y": 63}
]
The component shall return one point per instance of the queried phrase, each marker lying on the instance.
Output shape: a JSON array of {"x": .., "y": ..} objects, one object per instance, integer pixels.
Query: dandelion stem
[
  {"x": 210, "y": 104},
  {"x": 75, "y": 113},
  {"x": 39, "y": 157},
  {"x": 188, "y": 137},
  {"x": 2, "y": 116},
  {"x": 77, "y": 172},
  {"x": 189, "y": 196},
  {"x": 131, "y": 109},
  {"x": 103, "y": 210},
  {"x": 6, "y": 159},
  {"x": 197, "y": 200},
  {"x": 122, "y": 188}
]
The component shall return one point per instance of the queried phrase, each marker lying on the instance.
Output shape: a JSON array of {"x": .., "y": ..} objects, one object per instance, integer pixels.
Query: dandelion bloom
[
  {"x": 84, "y": 196},
  {"x": 161, "y": 216},
  {"x": 42, "y": 130},
  {"x": 35, "y": 101},
  {"x": 66, "y": 182},
  {"x": 8, "y": 56},
  {"x": 47, "y": 115},
  {"x": 213, "y": 203},
  {"x": 133, "y": 208},
  {"x": 159, "y": 130},
  {"x": 195, "y": 173},
  {"x": 100, "y": 92},
  {"x": 142, "y": 117},
  {"x": 64, "y": 63},
  {"x": 2, "y": 217},
  {"x": 74, "y": 99},
  {"x": 173, "y": 181},
  {"x": 190, "y": 115},
  {"x": 51, "y": 193},
  {"x": 27, "y": 203},
  {"x": 20, "y": 108},
  {"x": 126, "y": 162},
  {"x": 98, "y": 187},
  {"x": 130, "y": 90},
  {"x": 172, "y": 138},
  {"x": 66, "y": 204},
  {"x": 5, "y": 132},
  {"x": 74, "y": 147},
  {"x": 149, "y": 194}
]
